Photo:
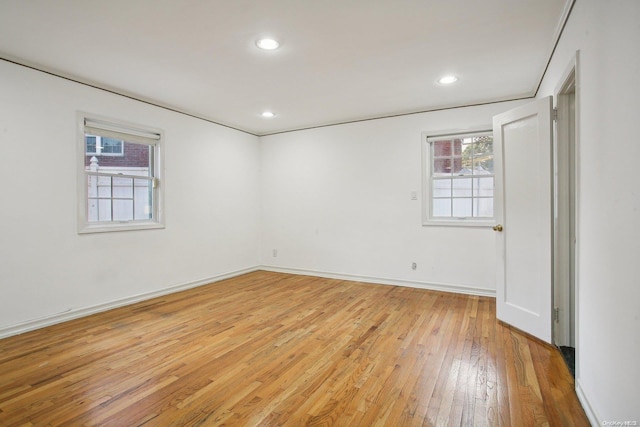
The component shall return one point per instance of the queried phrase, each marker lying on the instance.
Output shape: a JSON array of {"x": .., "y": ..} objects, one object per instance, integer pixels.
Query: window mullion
[
  {"x": 133, "y": 197},
  {"x": 120, "y": 175},
  {"x": 111, "y": 195},
  {"x": 451, "y": 197},
  {"x": 451, "y": 169}
]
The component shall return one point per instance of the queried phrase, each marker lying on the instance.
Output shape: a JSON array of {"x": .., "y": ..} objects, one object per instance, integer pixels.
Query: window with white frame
[
  {"x": 120, "y": 191},
  {"x": 459, "y": 179}
]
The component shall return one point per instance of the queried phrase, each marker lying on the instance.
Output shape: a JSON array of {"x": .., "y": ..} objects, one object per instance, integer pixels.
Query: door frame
[{"x": 566, "y": 150}]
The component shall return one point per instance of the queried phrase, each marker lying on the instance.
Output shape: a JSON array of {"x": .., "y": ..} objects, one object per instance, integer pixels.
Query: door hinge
[
  {"x": 556, "y": 314},
  {"x": 555, "y": 114}
]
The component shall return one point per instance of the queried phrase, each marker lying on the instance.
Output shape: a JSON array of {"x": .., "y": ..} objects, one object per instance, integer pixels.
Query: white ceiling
[{"x": 340, "y": 60}]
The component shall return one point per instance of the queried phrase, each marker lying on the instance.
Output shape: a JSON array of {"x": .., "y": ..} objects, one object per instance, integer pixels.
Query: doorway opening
[{"x": 565, "y": 218}]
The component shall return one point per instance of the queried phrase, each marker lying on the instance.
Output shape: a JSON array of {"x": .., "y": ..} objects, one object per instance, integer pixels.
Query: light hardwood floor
[{"x": 267, "y": 349}]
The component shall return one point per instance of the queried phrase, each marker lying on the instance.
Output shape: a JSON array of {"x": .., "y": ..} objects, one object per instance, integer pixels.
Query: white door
[{"x": 523, "y": 170}]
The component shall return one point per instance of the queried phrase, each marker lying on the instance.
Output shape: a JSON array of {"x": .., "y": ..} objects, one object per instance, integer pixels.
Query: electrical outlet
[
  {"x": 275, "y": 253},
  {"x": 414, "y": 266}
]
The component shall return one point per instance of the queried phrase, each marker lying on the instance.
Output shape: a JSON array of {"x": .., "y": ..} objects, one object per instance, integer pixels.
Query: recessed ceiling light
[
  {"x": 447, "y": 80},
  {"x": 268, "y": 114},
  {"x": 268, "y": 44}
]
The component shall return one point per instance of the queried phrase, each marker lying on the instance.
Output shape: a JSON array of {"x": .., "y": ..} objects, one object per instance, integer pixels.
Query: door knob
[{"x": 497, "y": 227}]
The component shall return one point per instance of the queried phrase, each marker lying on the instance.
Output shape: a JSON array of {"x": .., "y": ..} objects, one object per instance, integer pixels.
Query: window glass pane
[
  {"x": 90, "y": 144},
  {"x": 92, "y": 210},
  {"x": 467, "y": 156},
  {"x": 122, "y": 210},
  {"x": 143, "y": 199},
  {"x": 462, "y": 187},
  {"x": 458, "y": 168},
  {"x": 441, "y": 188},
  {"x": 457, "y": 146},
  {"x": 442, "y": 167},
  {"x": 442, "y": 208},
  {"x": 111, "y": 145},
  {"x": 135, "y": 156},
  {"x": 92, "y": 186},
  {"x": 104, "y": 209},
  {"x": 483, "y": 155},
  {"x": 483, "y": 187},
  {"x": 462, "y": 207},
  {"x": 483, "y": 207},
  {"x": 104, "y": 186},
  {"x": 442, "y": 148},
  {"x": 122, "y": 187}
]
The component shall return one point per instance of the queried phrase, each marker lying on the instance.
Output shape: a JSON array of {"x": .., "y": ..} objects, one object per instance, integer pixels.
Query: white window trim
[
  {"x": 135, "y": 131},
  {"x": 427, "y": 219}
]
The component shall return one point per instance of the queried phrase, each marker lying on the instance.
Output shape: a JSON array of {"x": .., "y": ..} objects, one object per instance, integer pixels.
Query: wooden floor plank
[{"x": 275, "y": 349}]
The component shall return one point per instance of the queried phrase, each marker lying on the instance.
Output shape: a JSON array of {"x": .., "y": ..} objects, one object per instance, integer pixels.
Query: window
[
  {"x": 120, "y": 191},
  {"x": 459, "y": 179},
  {"x": 103, "y": 146}
]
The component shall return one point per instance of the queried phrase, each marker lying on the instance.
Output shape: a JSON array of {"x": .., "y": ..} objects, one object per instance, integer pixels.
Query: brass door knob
[{"x": 497, "y": 227}]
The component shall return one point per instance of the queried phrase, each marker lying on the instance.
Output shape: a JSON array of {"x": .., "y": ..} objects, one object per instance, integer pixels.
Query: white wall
[
  {"x": 607, "y": 33},
  {"x": 336, "y": 201},
  {"x": 211, "y": 202}
]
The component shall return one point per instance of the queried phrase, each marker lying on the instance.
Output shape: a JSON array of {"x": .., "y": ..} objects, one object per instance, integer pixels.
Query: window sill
[
  {"x": 459, "y": 223},
  {"x": 114, "y": 227}
]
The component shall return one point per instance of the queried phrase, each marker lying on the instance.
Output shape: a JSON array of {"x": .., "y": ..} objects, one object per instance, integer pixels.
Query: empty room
[{"x": 349, "y": 213}]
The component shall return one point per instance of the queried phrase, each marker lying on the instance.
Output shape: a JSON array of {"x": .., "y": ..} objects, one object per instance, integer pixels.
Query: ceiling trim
[
  {"x": 566, "y": 13},
  {"x": 390, "y": 116},
  {"x": 113, "y": 91}
]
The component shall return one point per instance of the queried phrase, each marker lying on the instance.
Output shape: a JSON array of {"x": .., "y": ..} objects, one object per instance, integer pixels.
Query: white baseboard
[
  {"x": 445, "y": 287},
  {"x": 588, "y": 409},
  {"x": 42, "y": 322}
]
